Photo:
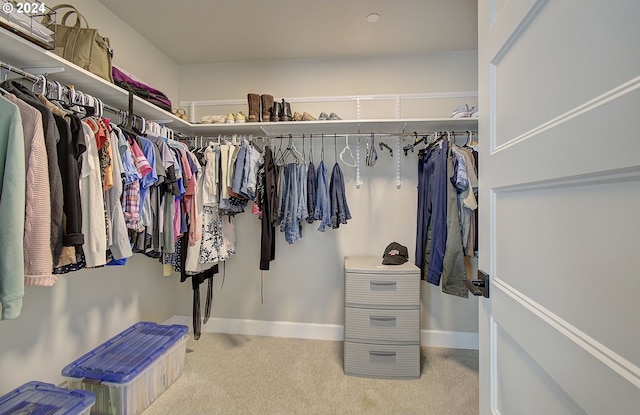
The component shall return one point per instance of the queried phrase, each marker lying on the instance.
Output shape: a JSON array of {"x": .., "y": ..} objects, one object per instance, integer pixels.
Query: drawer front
[
  {"x": 379, "y": 361},
  {"x": 382, "y": 290},
  {"x": 382, "y": 325}
]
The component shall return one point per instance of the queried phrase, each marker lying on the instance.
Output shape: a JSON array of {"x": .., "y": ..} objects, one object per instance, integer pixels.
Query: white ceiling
[{"x": 200, "y": 31}]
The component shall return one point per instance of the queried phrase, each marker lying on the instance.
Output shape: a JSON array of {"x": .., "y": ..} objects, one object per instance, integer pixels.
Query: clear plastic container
[
  {"x": 128, "y": 372},
  {"x": 38, "y": 398}
]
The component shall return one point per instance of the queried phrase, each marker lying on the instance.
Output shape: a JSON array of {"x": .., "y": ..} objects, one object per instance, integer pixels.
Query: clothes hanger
[
  {"x": 350, "y": 154},
  {"x": 372, "y": 153},
  {"x": 383, "y": 146},
  {"x": 298, "y": 156}
]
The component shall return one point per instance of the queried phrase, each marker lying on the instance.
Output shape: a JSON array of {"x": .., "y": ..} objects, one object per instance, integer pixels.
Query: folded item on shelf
[
  {"x": 26, "y": 25},
  {"x": 144, "y": 91}
]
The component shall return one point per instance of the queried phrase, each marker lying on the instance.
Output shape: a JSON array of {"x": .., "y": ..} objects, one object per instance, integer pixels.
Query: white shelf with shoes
[{"x": 19, "y": 52}]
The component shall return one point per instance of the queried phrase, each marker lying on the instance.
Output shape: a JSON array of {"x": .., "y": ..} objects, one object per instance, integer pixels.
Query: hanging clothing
[
  {"x": 92, "y": 200},
  {"x": 322, "y": 212},
  {"x": 118, "y": 242},
  {"x": 12, "y": 204},
  {"x": 339, "y": 208},
  {"x": 453, "y": 267},
  {"x": 312, "y": 185},
  {"x": 38, "y": 263},
  {"x": 290, "y": 223},
  {"x": 432, "y": 212},
  {"x": 52, "y": 136},
  {"x": 268, "y": 203},
  {"x": 302, "y": 213}
]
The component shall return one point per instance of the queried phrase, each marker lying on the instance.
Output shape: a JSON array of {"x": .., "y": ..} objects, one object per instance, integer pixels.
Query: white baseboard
[{"x": 430, "y": 338}]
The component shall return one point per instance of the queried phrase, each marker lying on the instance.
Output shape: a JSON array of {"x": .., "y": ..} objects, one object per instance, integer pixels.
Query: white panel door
[{"x": 560, "y": 206}]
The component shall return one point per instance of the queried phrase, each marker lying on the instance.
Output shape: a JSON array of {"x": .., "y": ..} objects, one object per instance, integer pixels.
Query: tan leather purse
[{"x": 81, "y": 44}]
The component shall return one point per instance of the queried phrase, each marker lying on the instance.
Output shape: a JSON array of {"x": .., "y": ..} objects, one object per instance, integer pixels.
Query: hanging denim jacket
[{"x": 322, "y": 212}]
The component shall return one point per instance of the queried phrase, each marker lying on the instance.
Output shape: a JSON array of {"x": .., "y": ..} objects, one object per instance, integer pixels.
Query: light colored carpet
[{"x": 238, "y": 374}]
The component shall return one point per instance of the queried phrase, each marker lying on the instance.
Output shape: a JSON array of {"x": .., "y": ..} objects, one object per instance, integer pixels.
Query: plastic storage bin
[
  {"x": 38, "y": 398},
  {"x": 128, "y": 372}
]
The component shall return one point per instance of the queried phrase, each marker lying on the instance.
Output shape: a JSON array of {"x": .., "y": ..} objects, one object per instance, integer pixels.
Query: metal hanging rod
[
  {"x": 22, "y": 73},
  {"x": 341, "y": 135},
  {"x": 46, "y": 83}
]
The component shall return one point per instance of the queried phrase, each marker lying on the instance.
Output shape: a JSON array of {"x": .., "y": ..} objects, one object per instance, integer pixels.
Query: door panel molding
[
  {"x": 537, "y": 380},
  {"x": 508, "y": 22},
  {"x": 577, "y": 356},
  {"x": 609, "y": 96},
  {"x": 627, "y": 174}
]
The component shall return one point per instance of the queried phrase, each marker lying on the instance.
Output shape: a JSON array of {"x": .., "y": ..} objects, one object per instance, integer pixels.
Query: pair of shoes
[
  {"x": 238, "y": 118},
  {"x": 474, "y": 112},
  {"x": 461, "y": 112},
  {"x": 308, "y": 117},
  {"x": 260, "y": 107},
  {"x": 332, "y": 117},
  {"x": 303, "y": 117},
  {"x": 213, "y": 119},
  {"x": 181, "y": 113}
]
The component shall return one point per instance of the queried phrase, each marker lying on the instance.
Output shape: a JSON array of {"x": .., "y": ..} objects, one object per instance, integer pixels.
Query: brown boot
[
  {"x": 285, "y": 114},
  {"x": 254, "y": 107},
  {"x": 276, "y": 111},
  {"x": 267, "y": 106}
]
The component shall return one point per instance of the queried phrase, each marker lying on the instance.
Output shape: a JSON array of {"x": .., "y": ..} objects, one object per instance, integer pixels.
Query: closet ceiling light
[{"x": 373, "y": 17}]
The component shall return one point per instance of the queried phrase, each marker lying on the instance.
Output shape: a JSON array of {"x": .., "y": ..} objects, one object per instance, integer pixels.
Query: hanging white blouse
[{"x": 92, "y": 200}]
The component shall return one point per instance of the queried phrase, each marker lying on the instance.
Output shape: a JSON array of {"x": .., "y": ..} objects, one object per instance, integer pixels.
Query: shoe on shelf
[
  {"x": 333, "y": 116},
  {"x": 285, "y": 111},
  {"x": 181, "y": 113},
  {"x": 266, "y": 102},
  {"x": 297, "y": 116},
  {"x": 474, "y": 112},
  {"x": 207, "y": 119},
  {"x": 240, "y": 117},
  {"x": 275, "y": 111},
  {"x": 219, "y": 119},
  {"x": 230, "y": 119},
  {"x": 323, "y": 116},
  {"x": 308, "y": 117},
  {"x": 461, "y": 111},
  {"x": 254, "y": 107}
]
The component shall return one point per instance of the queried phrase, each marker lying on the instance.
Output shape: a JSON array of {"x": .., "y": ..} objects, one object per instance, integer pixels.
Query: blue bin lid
[
  {"x": 126, "y": 355},
  {"x": 38, "y": 398}
]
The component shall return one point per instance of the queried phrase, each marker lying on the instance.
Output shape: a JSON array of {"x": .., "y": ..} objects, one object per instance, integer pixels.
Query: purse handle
[{"x": 79, "y": 17}]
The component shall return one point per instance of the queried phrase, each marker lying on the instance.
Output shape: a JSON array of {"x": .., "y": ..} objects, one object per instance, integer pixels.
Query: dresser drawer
[
  {"x": 402, "y": 291},
  {"x": 379, "y": 361},
  {"x": 382, "y": 326}
]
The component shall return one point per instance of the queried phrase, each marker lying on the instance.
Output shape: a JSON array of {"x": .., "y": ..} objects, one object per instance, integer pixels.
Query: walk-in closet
[{"x": 326, "y": 207}]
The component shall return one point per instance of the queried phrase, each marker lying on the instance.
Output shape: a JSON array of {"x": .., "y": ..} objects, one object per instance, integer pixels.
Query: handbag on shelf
[
  {"x": 150, "y": 94},
  {"x": 80, "y": 44}
]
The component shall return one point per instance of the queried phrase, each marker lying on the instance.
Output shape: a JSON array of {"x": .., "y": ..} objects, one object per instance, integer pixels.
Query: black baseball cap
[{"x": 395, "y": 254}]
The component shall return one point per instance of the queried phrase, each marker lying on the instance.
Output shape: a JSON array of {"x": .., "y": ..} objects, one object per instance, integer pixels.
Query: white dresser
[{"x": 381, "y": 319}]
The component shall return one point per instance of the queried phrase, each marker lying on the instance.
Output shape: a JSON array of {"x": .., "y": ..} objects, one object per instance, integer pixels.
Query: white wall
[
  {"x": 305, "y": 283},
  {"x": 83, "y": 309}
]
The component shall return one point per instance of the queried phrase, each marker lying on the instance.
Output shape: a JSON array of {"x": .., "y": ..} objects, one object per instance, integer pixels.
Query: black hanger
[
  {"x": 415, "y": 143},
  {"x": 383, "y": 146}
]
